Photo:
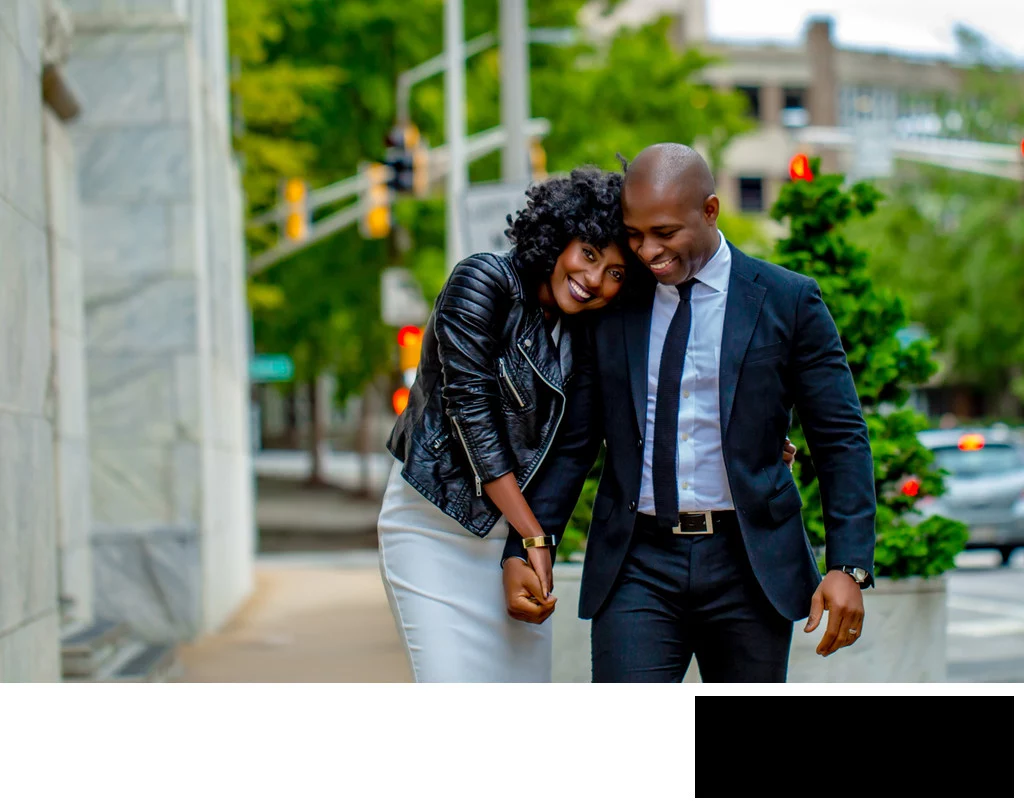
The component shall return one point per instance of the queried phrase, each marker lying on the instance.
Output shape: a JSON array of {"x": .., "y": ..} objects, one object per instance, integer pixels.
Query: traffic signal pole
[
  {"x": 515, "y": 92},
  {"x": 455, "y": 129}
]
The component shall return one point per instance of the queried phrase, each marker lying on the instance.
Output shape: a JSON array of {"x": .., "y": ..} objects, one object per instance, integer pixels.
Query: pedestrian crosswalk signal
[{"x": 376, "y": 219}]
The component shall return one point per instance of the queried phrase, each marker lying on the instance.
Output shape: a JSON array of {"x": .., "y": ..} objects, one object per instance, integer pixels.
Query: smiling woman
[{"x": 492, "y": 451}]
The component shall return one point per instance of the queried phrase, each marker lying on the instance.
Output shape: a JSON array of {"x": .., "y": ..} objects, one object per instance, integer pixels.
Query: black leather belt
[{"x": 698, "y": 523}]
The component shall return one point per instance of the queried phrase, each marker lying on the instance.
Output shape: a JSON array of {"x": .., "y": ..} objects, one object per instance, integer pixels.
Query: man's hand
[
  {"x": 789, "y": 453},
  {"x": 540, "y": 560},
  {"x": 842, "y": 597},
  {"x": 524, "y": 594}
]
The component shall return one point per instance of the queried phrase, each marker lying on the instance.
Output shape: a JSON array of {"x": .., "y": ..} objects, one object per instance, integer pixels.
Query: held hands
[
  {"x": 842, "y": 597},
  {"x": 789, "y": 454},
  {"x": 528, "y": 586}
]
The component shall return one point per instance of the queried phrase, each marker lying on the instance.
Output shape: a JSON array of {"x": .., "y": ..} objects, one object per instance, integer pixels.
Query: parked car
[{"x": 984, "y": 487}]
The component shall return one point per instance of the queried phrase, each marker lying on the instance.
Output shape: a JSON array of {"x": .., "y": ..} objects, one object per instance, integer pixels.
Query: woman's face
[{"x": 587, "y": 277}]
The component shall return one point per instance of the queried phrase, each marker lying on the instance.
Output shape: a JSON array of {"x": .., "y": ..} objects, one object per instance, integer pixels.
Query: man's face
[{"x": 669, "y": 228}]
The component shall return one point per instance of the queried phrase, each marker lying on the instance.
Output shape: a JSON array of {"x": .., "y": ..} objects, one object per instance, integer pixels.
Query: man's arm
[
  {"x": 837, "y": 437},
  {"x": 826, "y": 400}
]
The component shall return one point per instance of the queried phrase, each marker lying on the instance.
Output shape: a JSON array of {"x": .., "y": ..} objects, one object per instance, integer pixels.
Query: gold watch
[{"x": 539, "y": 541}]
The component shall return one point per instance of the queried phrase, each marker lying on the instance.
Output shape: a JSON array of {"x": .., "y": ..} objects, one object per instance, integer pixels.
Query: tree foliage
[
  {"x": 316, "y": 88},
  {"x": 868, "y": 316}
]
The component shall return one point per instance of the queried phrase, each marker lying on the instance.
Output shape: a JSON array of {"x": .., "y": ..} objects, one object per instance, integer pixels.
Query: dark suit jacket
[{"x": 780, "y": 350}]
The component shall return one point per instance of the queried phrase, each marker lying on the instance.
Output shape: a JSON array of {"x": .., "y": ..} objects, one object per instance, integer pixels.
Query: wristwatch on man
[{"x": 861, "y": 576}]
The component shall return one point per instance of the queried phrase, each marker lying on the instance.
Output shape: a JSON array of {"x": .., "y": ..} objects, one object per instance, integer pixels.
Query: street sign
[
  {"x": 872, "y": 150},
  {"x": 271, "y": 368},
  {"x": 401, "y": 298},
  {"x": 486, "y": 206}
]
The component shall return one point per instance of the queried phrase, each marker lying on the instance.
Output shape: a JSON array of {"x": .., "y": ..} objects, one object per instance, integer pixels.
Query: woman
[{"x": 494, "y": 413}]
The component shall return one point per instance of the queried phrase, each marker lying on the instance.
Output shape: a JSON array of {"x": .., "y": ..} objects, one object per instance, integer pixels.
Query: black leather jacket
[{"x": 489, "y": 398}]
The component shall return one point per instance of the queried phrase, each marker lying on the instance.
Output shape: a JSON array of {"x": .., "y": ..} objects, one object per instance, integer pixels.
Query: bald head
[
  {"x": 670, "y": 211},
  {"x": 664, "y": 166}
]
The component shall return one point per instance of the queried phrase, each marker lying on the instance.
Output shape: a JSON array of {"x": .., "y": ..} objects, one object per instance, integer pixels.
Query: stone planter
[
  {"x": 571, "y": 656},
  {"x": 904, "y": 639},
  {"x": 904, "y": 636}
]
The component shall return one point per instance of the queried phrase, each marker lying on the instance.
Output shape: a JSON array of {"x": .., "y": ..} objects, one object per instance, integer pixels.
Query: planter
[
  {"x": 571, "y": 655},
  {"x": 904, "y": 639},
  {"x": 904, "y": 636}
]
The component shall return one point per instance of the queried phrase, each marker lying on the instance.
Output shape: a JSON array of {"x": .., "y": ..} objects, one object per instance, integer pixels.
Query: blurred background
[{"x": 223, "y": 224}]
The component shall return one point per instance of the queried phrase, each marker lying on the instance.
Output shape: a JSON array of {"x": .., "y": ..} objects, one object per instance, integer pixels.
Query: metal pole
[
  {"x": 455, "y": 128},
  {"x": 515, "y": 92}
]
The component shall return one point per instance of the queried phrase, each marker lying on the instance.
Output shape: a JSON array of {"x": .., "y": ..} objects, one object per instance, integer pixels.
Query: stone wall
[{"x": 165, "y": 325}]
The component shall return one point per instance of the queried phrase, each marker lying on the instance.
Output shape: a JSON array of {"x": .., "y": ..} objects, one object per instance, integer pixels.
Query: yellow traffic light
[
  {"x": 538, "y": 161},
  {"x": 376, "y": 220},
  {"x": 294, "y": 191},
  {"x": 295, "y": 226},
  {"x": 420, "y": 171}
]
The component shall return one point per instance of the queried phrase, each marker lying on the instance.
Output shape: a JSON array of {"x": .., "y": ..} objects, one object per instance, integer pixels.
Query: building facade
[{"x": 125, "y": 468}]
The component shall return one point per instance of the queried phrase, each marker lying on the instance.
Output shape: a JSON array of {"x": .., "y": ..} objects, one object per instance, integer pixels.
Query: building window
[
  {"x": 751, "y": 194},
  {"x": 794, "y": 107},
  {"x": 753, "y": 95},
  {"x": 794, "y": 98}
]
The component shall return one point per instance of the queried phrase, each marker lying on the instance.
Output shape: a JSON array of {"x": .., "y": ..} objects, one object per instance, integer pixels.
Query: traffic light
[
  {"x": 407, "y": 156},
  {"x": 410, "y": 341},
  {"x": 295, "y": 226},
  {"x": 376, "y": 219},
  {"x": 800, "y": 168},
  {"x": 400, "y": 400},
  {"x": 538, "y": 161}
]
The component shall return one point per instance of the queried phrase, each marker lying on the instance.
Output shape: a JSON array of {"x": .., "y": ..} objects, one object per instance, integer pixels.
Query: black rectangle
[{"x": 797, "y": 747}]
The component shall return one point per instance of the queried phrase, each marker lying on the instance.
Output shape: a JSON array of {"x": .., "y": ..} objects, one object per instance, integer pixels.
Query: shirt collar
[{"x": 715, "y": 272}]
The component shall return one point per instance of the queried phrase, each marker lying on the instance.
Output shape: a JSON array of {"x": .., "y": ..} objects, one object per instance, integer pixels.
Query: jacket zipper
[
  {"x": 558, "y": 423},
  {"x": 503, "y": 372},
  {"x": 472, "y": 465}
]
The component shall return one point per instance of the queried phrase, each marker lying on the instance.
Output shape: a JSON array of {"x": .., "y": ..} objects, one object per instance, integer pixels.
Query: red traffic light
[
  {"x": 800, "y": 168},
  {"x": 409, "y": 336},
  {"x": 400, "y": 400}
]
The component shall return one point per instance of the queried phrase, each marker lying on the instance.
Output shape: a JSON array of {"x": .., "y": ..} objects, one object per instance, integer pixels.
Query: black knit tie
[{"x": 666, "y": 411}]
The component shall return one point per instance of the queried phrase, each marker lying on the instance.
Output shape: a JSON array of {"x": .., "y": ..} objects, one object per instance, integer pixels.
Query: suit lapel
[
  {"x": 742, "y": 308},
  {"x": 636, "y": 322}
]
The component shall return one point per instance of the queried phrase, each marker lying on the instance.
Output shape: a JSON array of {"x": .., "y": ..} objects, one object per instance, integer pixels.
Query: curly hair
[{"x": 585, "y": 205}]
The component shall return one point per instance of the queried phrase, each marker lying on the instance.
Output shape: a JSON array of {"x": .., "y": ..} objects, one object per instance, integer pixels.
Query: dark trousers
[{"x": 683, "y": 596}]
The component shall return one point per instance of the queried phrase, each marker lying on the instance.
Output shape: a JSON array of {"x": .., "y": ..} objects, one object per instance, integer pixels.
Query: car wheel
[{"x": 1006, "y": 552}]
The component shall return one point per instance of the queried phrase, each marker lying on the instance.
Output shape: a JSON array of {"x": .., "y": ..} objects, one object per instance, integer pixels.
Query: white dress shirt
[{"x": 702, "y": 482}]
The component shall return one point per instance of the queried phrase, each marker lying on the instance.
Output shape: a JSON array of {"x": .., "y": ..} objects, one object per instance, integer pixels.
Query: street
[{"x": 986, "y": 619}]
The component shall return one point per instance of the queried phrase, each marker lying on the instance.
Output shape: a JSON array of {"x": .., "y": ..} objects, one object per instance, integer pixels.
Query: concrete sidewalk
[{"x": 312, "y": 618}]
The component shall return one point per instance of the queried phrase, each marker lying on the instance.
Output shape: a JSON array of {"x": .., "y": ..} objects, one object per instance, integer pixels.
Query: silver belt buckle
[{"x": 708, "y": 529}]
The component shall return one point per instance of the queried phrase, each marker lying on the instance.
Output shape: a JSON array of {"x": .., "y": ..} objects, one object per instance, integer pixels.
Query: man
[{"x": 697, "y": 547}]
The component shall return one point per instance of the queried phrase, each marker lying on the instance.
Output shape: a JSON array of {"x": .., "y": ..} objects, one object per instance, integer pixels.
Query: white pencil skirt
[{"x": 445, "y": 590}]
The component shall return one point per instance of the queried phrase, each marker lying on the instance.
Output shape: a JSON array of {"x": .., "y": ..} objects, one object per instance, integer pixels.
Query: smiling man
[{"x": 697, "y": 547}]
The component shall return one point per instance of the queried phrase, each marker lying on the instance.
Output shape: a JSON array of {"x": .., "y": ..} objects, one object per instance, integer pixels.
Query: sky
[{"x": 915, "y": 26}]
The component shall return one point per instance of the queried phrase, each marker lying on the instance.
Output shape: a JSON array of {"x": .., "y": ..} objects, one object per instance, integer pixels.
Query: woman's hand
[
  {"x": 789, "y": 453},
  {"x": 524, "y": 595}
]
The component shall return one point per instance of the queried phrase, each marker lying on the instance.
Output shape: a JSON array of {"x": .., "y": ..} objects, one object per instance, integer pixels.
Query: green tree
[
  {"x": 316, "y": 89},
  {"x": 951, "y": 243},
  {"x": 868, "y": 316}
]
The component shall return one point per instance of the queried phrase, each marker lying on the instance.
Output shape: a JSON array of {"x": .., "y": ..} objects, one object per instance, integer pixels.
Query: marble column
[
  {"x": 165, "y": 317},
  {"x": 29, "y": 617}
]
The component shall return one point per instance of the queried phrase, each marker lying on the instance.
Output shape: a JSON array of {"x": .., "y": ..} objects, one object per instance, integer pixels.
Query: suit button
[
  {"x": 639, "y": 441},
  {"x": 632, "y": 506}
]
